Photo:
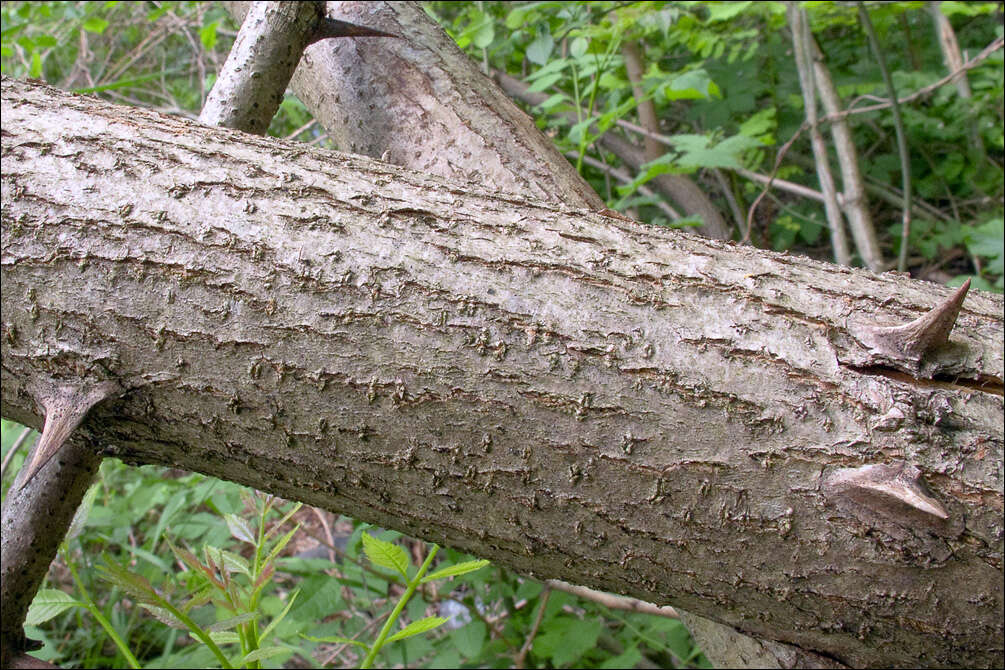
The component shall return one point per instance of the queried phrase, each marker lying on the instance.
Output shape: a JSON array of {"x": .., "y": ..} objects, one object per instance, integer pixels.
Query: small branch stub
[{"x": 65, "y": 407}]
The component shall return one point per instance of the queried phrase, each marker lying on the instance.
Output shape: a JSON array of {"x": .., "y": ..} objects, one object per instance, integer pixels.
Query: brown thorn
[
  {"x": 913, "y": 340},
  {"x": 879, "y": 487},
  {"x": 65, "y": 407},
  {"x": 328, "y": 28}
]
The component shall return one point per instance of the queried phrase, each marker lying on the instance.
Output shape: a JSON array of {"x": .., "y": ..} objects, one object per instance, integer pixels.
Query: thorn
[
  {"x": 65, "y": 407},
  {"x": 884, "y": 488},
  {"x": 915, "y": 339},
  {"x": 327, "y": 28}
]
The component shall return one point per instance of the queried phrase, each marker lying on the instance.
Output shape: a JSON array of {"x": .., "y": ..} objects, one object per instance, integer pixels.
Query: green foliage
[
  {"x": 722, "y": 74},
  {"x": 392, "y": 556},
  {"x": 162, "y": 56},
  {"x": 126, "y": 591}
]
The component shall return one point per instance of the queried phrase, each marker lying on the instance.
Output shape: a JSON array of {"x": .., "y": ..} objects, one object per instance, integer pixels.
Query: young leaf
[
  {"x": 135, "y": 585},
  {"x": 386, "y": 554},
  {"x": 335, "y": 639},
  {"x": 224, "y": 637},
  {"x": 281, "y": 544},
  {"x": 80, "y": 517},
  {"x": 239, "y": 528},
  {"x": 286, "y": 517},
  {"x": 263, "y": 653},
  {"x": 235, "y": 562},
  {"x": 95, "y": 24},
  {"x": 232, "y": 622},
  {"x": 275, "y": 622},
  {"x": 47, "y": 604},
  {"x": 417, "y": 627},
  {"x": 454, "y": 570},
  {"x": 163, "y": 615}
]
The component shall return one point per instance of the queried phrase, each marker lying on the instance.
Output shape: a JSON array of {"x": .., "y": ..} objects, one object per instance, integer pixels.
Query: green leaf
[
  {"x": 515, "y": 19},
  {"x": 723, "y": 11},
  {"x": 540, "y": 49},
  {"x": 232, "y": 622},
  {"x": 240, "y": 528},
  {"x": 224, "y": 637},
  {"x": 454, "y": 570},
  {"x": 281, "y": 544},
  {"x": 696, "y": 151},
  {"x": 988, "y": 239},
  {"x": 578, "y": 47},
  {"x": 470, "y": 639},
  {"x": 282, "y": 615},
  {"x": 135, "y": 585},
  {"x": 567, "y": 639},
  {"x": 35, "y": 71},
  {"x": 94, "y": 24},
  {"x": 286, "y": 517},
  {"x": 47, "y": 604},
  {"x": 556, "y": 99},
  {"x": 235, "y": 562},
  {"x": 761, "y": 125},
  {"x": 693, "y": 85},
  {"x": 263, "y": 653},
  {"x": 544, "y": 82},
  {"x": 485, "y": 34},
  {"x": 80, "y": 516},
  {"x": 628, "y": 659},
  {"x": 386, "y": 554},
  {"x": 163, "y": 615},
  {"x": 418, "y": 627},
  {"x": 207, "y": 35},
  {"x": 966, "y": 8},
  {"x": 335, "y": 639}
]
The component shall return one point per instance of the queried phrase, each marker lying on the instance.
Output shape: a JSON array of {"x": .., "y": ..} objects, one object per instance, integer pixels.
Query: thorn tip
[{"x": 65, "y": 407}]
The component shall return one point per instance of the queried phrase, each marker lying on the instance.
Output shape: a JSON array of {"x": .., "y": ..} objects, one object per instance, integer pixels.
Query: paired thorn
[
  {"x": 65, "y": 407},
  {"x": 915, "y": 339},
  {"x": 885, "y": 489}
]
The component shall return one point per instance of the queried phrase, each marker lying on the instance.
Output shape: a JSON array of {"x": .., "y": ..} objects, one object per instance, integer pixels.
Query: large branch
[{"x": 571, "y": 395}]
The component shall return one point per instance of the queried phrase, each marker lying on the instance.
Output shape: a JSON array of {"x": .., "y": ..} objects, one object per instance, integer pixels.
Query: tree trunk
[{"x": 570, "y": 395}]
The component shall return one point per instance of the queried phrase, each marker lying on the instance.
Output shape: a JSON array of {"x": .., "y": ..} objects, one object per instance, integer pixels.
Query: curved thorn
[
  {"x": 913, "y": 340},
  {"x": 65, "y": 407},
  {"x": 327, "y": 28}
]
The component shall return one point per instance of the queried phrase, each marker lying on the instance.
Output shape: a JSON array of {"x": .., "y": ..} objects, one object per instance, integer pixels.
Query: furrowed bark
[{"x": 571, "y": 395}]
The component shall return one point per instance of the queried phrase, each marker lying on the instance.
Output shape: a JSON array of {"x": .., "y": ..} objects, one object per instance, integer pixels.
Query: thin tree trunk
[
  {"x": 800, "y": 46},
  {"x": 855, "y": 205},
  {"x": 570, "y": 395}
]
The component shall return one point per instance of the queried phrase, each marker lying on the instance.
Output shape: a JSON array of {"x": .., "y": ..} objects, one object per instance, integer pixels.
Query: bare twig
[
  {"x": 612, "y": 601},
  {"x": 898, "y": 123},
  {"x": 521, "y": 658}
]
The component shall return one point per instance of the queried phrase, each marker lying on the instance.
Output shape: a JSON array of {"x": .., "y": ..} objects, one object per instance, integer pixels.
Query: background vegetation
[{"x": 722, "y": 81}]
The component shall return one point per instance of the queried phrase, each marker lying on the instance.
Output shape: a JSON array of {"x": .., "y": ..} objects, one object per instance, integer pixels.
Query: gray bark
[
  {"x": 421, "y": 103},
  {"x": 250, "y": 87},
  {"x": 571, "y": 395}
]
